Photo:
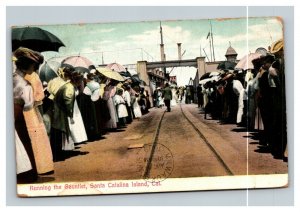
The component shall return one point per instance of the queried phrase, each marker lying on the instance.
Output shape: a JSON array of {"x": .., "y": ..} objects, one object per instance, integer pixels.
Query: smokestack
[
  {"x": 179, "y": 51},
  {"x": 162, "y": 48},
  {"x": 162, "y": 52}
]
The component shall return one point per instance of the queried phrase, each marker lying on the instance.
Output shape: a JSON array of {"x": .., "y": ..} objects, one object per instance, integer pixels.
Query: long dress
[
  {"x": 67, "y": 143},
  {"x": 108, "y": 94},
  {"x": 250, "y": 92},
  {"x": 160, "y": 99},
  {"x": 128, "y": 106},
  {"x": 36, "y": 128},
  {"x": 60, "y": 131},
  {"x": 77, "y": 130},
  {"x": 96, "y": 91},
  {"x": 121, "y": 106},
  {"x": 23, "y": 100},
  {"x": 239, "y": 91},
  {"x": 136, "y": 107},
  {"x": 88, "y": 112},
  {"x": 23, "y": 162},
  {"x": 87, "y": 106},
  {"x": 174, "y": 98},
  {"x": 28, "y": 94},
  {"x": 102, "y": 110}
]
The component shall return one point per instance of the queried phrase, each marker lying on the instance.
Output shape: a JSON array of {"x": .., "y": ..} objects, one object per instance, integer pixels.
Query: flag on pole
[{"x": 207, "y": 35}]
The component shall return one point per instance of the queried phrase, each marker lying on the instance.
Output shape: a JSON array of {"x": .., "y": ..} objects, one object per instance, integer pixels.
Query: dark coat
[{"x": 167, "y": 93}]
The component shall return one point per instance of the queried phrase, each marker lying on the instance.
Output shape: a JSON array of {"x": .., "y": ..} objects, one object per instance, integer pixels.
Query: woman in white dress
[
  {"x": 77, "y": 130},
  {"x": 160, "y": 99},
  {"x": 120, "y": 104},
  {"x": 174, "y": 97},
  {"x": 23, "y": 162},
  {"x": 135, "y": 105}
]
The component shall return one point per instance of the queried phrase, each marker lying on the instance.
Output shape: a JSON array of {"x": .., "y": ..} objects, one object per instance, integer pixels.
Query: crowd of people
[
  {"x": 51, "y": 118},
  {"x": 165, "y": 97},
  {"x": 171, "y": 95},
  {"x": 253, "y": 98}
]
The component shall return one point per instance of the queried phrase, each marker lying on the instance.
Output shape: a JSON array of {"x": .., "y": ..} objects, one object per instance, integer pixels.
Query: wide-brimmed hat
[
  {"x": 227, "y": 76},
  {"x": 276, "y": 46},
  {"x": 30, "y": 54},
  {"x": 269, "y": 58}
]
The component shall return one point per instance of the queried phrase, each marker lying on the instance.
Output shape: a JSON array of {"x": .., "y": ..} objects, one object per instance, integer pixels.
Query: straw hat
[
  {"x": 277, "y": 46},
  {"x": 28, "y": 53}
]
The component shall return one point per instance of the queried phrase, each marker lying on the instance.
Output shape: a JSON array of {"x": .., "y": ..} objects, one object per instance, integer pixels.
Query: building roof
[{"x": 230, "y": 51}]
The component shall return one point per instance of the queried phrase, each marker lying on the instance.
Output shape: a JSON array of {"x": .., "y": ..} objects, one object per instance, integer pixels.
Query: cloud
[
  {"x": 224, "y": 40},
  {"x": 170, "y": 34},
  {"x": 106, "y": 41},
  {"x": 144, "y": 45},
  {"x": 98, "y": 31},
  {"x": 106, "y": 30},
  {"x": 149, "y": 41},
  {"x": 262, "y": 31},
  {"x": 259, "y": 35}
]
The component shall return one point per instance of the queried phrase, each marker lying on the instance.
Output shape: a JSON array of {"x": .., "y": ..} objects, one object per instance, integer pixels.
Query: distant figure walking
[
  {"x": 200, "y": 96},
  {"x": 167, "y": 95},
  {"x": 160, "y": 100}
]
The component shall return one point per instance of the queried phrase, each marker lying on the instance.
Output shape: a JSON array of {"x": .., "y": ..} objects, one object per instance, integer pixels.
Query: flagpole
[
  {"x": 206, "y": 54},
  {"x": 210, "y": 47},
  {"x": 212, "y": 40}
]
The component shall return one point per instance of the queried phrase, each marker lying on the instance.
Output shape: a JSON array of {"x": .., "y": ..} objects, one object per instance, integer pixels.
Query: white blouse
[{"x": 22, "y": 90}]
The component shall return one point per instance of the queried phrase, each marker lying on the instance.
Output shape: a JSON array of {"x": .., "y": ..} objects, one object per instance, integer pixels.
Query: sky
[{"x": 127, "y": 43}]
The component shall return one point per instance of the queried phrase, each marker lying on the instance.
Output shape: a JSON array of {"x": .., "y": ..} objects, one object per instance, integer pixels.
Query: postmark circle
[{"x": 155, "y": 162}]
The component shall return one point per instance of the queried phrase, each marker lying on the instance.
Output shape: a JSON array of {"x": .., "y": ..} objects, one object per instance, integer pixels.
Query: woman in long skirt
[
  {"x": 37, "y": 129},
  {"x": 87, "y": 106},
  {"x": 136, "y": 107},
  {"x": 23, "y": 162},
  {"x": 120, "y": 104},
  {"x": 28, "y": 95},
  {"x": 174, "y": 97},
  {"x": 109, "y": 92},
  {"x": 77, "y": 130},
  {"x": 24, "y": 167},
  {"x": 63, "y": 109}
]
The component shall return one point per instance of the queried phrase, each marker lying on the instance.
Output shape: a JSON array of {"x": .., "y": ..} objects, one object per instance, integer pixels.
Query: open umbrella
[
  {"x": 205, "y": 76},
  {"x": 210, "y": 79},
  {"x": 116, "y": 67},
  {"x": 214, "y": 73},
  {"x": 126, "y": 74},
  {"x": 136, "y": 80},
  {"x": 247, "y": 61},
  {"x": 48, "y": 71},
  {"x": 203, "y": 81},
  {"x": 35, "y": 38},
  {"x": 110, "y": 74},
  {"x": 119, "y": 68},
  {"x": 79, "y": 63},
  {"x": 226, "y": 65}
]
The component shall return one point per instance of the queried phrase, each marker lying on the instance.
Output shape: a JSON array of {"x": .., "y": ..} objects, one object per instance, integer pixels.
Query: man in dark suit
[{"x": 167, "y": 95}]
